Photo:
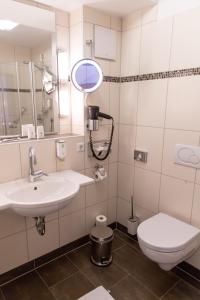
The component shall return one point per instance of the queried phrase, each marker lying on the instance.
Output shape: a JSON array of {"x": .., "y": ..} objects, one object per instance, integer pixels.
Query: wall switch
[{"x": 80, "y": 147}]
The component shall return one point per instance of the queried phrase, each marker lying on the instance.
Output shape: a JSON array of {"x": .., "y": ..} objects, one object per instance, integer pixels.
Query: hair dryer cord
[{"x": 109, "y": 146}]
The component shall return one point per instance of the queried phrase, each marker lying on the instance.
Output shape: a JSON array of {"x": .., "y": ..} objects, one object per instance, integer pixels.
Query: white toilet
[{"x": 167, "y": 241}]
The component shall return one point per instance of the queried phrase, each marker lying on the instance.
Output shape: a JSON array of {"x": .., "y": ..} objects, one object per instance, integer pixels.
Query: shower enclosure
[{"x": 27, "y": 95}]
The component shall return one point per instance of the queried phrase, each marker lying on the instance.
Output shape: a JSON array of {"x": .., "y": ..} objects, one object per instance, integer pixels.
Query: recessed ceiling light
[{"x": 7, "y": 25}]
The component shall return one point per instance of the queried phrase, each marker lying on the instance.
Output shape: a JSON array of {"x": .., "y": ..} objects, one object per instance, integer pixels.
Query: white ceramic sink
[{"x": 41, "y": 197}]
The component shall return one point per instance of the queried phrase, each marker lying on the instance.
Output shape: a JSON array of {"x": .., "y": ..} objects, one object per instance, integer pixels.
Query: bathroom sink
[{"x": 38, "y": 198}]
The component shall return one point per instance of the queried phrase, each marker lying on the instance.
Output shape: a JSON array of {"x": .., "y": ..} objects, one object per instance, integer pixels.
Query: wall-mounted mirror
[
  {"x": 87, "y": 75},
  {"x": 28, "y": 70}
]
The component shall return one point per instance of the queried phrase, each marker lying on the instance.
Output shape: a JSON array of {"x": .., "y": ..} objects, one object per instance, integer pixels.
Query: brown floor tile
[
  {"x": 148, "y": 272},
  {"x": 72, "y": 288},
  {"x": 106, "y": 276},
  {"x": 81, "y": 256},
  {"x": 57, "y": 270},
  {"x": 127, "y": 240},
  {"x": 1, "y": 295},
  {"x": 28, "y": 287},
  {"x": 183, "y": 291},
  {"x": 117, "y": 242},
  {"x": 129, "y": 289}
]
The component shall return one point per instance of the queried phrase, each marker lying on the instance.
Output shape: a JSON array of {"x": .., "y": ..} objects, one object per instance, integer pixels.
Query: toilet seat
[{"x": 163, "y": 233}]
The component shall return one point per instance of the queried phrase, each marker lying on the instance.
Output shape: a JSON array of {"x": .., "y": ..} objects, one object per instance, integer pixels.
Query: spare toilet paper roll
[{"x": 101, "y": 221}]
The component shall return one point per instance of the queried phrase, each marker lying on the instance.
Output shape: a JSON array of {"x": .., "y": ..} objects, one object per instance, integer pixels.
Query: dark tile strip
[
  {"x": 183, "y": 270},
  {"x": 187, "y": 277},
  {"x": 114, "y": 79},
  {"x": 162, "y": 75},
  {"x": 9, "y": 90},
  {"x": 32, "y": 265},
  {"x": 10, "y": 275},
  {"x": 153, "y": 76},
  {"x": 190, "y": 269}
]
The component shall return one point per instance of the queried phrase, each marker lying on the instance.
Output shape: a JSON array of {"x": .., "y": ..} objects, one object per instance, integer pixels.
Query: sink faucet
[{"x": 34, "y": 175}]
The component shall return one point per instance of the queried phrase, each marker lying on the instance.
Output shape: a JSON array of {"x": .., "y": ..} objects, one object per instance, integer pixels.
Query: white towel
[{"x": 98, "y": 294}]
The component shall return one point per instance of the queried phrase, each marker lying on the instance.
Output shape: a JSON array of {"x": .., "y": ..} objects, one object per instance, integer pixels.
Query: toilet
[{"x": 167, "y": 240}]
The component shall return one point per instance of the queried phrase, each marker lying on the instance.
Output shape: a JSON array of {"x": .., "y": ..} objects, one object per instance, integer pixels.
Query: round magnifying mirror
[{"x": 87, "y": 75}]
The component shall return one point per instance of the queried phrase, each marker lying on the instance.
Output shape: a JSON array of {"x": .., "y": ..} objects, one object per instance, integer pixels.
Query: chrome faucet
[{"x": 34, "y": 175}]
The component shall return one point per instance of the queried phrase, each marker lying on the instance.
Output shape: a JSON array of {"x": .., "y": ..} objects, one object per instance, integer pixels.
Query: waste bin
[{"x": 101, "y": 238}]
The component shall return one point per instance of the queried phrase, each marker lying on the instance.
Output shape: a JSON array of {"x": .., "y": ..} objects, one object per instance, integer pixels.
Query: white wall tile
[
  {"x": 10, "y": 162},
  {"x": 39, "y": 245},
  {"x": 112, "y": 180},
  {"x": 97, "y": 192},
  {"x": 62, "y": 38},
  {"x": 115, "y": 145},
  {"x": 76, "y": 43},
  {"x": 95, "y": 16},
  {"x": 146, "y": 189},
  {"x": 155, "y": 46},
  {"x": 115, "y": 65},
  {"x": 116, "y": 23},
  {"x": 127, "y": 136},
  {"x": 62, "y": 18},
  {"x": 183, "y": 103},
  {"x": 72, "y": 227},
  {"x": 142, "y": 213},
  {"x": 10, "y": 223},
  {"x": 132, "y": 20},
  {"x": 152, "y": 103},
  {"x": 13, "y": 252},
  {"x": 125, "y": 180},
  {"x": 92, "y": 212},
  {"x": 45, "y": 154},
  {"x": 76, "y": 16},
  {"x": 128, "y": 103},
  {"x": 186, "y": 45},
  {"x": 114, "y": 98},
  {"x": 123, "y": 211},
  {"x": 176, "y": 197},
  {"x": 112, "y": 210},
  {"x": 149, "y": 14},
  {"x": 130, "y": 52},
  {"x": 173, "y": 137},
  {"x": 195, "y": 219},
  {"x": 151, "y": 140}
]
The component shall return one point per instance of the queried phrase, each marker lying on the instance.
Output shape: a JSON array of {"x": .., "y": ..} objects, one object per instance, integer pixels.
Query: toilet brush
[{"x": 133, "y": 221}]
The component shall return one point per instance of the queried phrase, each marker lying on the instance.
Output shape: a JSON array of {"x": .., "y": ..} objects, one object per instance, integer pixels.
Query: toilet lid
[{"x": 166, "y": 234}]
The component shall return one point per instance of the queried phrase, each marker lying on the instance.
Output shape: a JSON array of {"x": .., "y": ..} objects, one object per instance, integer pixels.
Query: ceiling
[{"x": 116, "y": 7}]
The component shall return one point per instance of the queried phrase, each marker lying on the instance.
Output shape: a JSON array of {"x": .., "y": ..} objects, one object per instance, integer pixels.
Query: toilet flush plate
[{"x": 187, "y": 155}]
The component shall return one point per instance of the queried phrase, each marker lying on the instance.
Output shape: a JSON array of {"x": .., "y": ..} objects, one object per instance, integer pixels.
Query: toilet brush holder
[{"x": 132, "y": 225}]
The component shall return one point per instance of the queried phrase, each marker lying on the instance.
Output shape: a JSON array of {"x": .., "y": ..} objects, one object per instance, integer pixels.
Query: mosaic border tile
[
  {"x": 9, "y": 90},
  {"x": 114, "y": 79},
  {"x": 154, "y": 76}
]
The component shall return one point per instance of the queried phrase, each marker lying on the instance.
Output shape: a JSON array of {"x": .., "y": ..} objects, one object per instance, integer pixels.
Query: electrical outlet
[{"x": 80, "y": 147}]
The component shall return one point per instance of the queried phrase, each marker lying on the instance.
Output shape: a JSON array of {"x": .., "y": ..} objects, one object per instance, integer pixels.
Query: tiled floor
[{"x": 130, "y": 276}]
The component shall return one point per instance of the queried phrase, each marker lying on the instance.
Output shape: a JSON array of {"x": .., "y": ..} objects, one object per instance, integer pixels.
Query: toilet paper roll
[{"x": 101, "y": 220}]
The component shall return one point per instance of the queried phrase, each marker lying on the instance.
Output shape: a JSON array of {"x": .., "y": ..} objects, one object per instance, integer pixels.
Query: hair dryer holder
[{"x": 100, "y": 148}]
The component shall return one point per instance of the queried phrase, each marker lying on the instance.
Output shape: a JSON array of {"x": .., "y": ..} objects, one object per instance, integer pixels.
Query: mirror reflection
[{"x": 28, "y": 84}]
